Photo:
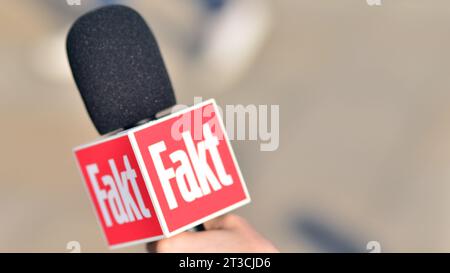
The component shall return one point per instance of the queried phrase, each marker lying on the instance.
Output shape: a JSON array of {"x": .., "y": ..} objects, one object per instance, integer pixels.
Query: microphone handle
[{"x": 198, "y": 228}]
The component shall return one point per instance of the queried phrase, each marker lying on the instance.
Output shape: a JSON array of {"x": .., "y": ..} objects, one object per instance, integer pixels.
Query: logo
[
  {"x": 116, "y": 193},
  {"x": 194, "y": 176},
  {"x": 242, "y": 122}
]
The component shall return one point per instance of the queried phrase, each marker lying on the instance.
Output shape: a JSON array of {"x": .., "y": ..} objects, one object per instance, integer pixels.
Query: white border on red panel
[
  {"x": 148, "y": 182},
  {"x": 137, "y": 242},
  {"x": 144, "y": 172},
  {"x": 210, "y": 217},
  {"x": 99, "y": 222},
  {"x": 241, "y": 177}
]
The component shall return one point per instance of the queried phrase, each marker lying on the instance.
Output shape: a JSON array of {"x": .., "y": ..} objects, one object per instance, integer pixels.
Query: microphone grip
[{"x": 198, "y": 228}]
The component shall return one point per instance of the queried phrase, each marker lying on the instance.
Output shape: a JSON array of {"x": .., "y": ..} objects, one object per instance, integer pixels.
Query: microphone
[
  {"x": 130, "y": 176},
  {"x": 118, "y": 68}
]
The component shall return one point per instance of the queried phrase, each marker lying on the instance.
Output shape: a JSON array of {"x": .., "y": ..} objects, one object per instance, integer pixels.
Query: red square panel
[
  {"x": 118, "y": 191},
  {"x": 190, "y": 167}
]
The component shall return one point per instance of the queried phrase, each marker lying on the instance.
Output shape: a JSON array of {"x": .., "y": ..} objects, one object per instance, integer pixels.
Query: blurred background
[{"x": 364, "y": 101}]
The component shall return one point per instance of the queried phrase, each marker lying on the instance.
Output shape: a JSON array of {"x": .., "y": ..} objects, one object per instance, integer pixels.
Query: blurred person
[
  {"x": 229, "y": 233},
  {"x": 229, "y": 37}
]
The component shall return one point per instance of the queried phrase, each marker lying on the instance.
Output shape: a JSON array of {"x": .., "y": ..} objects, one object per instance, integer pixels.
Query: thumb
[{"x": 216, "y": 231}]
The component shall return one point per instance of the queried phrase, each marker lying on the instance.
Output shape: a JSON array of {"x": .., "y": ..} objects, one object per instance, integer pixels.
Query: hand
[{"x": 229, "y": 233}]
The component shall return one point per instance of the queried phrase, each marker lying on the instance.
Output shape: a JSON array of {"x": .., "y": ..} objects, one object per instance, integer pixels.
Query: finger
[
  {"x": 177, "y": 243},
  {"x": 228, "y": 221},
  {"x": 192, "y": 242},
  {"x": 203, "y": 241},
  {"x": 168, "y": 244}
]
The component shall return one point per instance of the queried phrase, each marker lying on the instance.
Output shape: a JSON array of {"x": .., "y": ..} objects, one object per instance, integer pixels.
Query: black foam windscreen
[{"x": 118, "y": 68}]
